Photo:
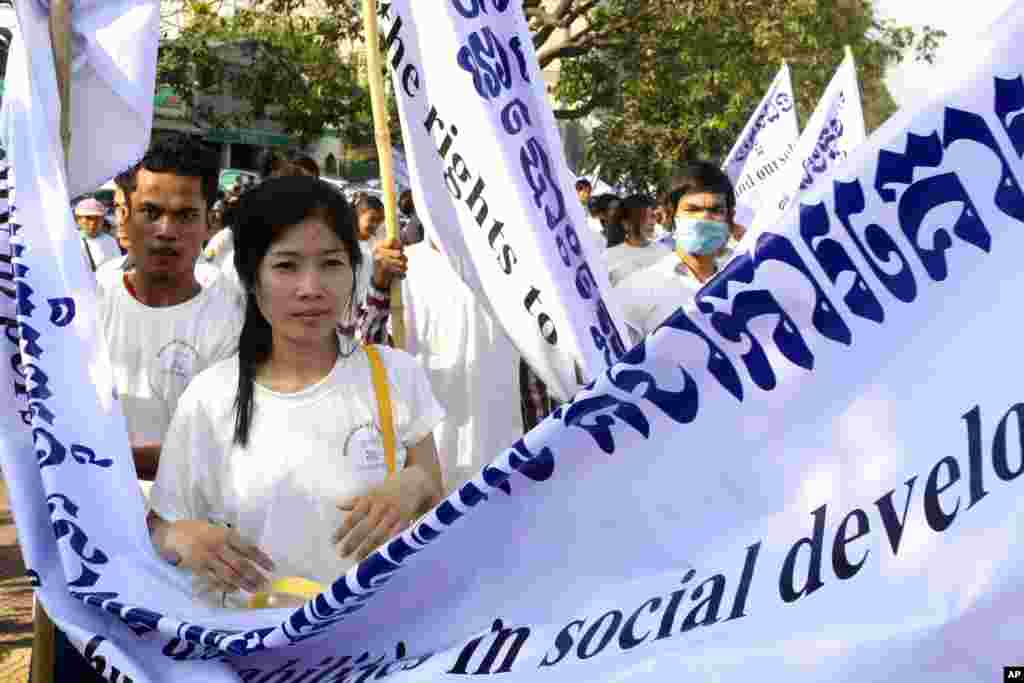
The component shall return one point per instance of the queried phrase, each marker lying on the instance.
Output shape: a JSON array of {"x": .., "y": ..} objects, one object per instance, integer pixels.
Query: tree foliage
[
  {"x": 657, "y": 80},
  {"x": 255, "y": 64},
  {"x": 682, "y": 86}
]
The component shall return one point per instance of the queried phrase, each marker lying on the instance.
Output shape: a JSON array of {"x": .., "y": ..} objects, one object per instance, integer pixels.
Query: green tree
[
  {"x": 664, "y": 79},
  {"x": 259, "y": 64},
  {"x": 682, "y": 85}
]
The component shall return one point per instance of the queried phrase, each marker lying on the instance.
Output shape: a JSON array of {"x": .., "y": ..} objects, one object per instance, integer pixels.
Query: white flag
[
  {"x": 810, "y": 475},
  {"x": 114, "y": 46},
  {"x": 487, "y": 168},
  {"x": 763, "y": 147},
  {"x": 835, "y": 129}
]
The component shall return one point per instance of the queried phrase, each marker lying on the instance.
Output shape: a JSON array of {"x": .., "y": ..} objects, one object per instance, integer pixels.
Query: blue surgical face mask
[{"x": 700, "y": 237}]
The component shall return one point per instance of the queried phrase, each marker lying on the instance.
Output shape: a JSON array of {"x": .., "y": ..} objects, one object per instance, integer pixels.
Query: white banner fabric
[
  {"x": 763, "y": 147},
  {"x": 114, "y": 52},
  {"x": 834, "y": 131},
  {"x": 809, "y": 475},
  {"x": 487, "y": 166}
]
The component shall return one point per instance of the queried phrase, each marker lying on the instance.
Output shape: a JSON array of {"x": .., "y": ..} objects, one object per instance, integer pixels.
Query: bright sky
[{"x": 966, "y": 22}]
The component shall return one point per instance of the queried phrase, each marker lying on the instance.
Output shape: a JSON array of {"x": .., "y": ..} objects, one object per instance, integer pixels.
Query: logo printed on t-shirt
[
  {"x": 178, "y": 358},
  {"x": 171, "y": 370},
  {"x": 365, "y": 444}
]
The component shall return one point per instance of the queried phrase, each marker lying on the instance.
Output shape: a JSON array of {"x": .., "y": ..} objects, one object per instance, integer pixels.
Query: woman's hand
[
  {"x": 389, "y": 262},
  {"x": 217, "y": 554},
  {"x": 383, "y": 511}
]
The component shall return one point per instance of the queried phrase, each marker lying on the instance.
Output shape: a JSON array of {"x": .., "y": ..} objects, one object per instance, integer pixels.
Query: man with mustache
[{"x": 163, "y": 327}]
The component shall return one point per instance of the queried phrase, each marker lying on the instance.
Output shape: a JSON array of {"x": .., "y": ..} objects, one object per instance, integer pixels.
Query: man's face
[
  {"x": 649, "y": 222},
  {"x": 704, "y": 205},
  {"x": 166, "y": 225},
  {"x": 659, "y": 215},
  {"x": 583, "y": 192},
  {"x": 90, "y": 225},
  {"x": 121, "y": 220}
]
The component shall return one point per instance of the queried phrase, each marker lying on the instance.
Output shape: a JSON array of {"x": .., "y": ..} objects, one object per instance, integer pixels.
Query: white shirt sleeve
[
  {"x": 417, "y": 411},
  {"x": 189, "y": 459},
  {"x": 231, "y": 319}
]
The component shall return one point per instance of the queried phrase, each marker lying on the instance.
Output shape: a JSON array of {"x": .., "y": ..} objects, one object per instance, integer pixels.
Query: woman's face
[{"x": 304, "y": 283}]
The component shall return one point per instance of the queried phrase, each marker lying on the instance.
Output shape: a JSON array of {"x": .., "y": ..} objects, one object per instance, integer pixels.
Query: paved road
[{"x": 15, "y": 601}]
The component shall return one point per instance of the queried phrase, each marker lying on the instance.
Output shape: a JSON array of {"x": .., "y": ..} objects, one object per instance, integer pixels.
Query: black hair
[
  {"x": 632, "y": 204},
  {"x": 180, "y": 155},
  {"x": 601, "y": 202},
  {"x": 262, "y": 216},
  {"x": 271, "y": 163},
  {"x": 615, "y": 234},
  {"x": 405, "y": 202},
  {"x": 307, "y": 164},
  {"x": 276, "y": 164},
  {"x": 701, "y": 176},
  {"x": 581, "y": 183},
  {"x": 368, "y": 203}
]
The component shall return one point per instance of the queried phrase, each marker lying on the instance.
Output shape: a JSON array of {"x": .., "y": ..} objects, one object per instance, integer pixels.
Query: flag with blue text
[{"x": 763, "y": 147}]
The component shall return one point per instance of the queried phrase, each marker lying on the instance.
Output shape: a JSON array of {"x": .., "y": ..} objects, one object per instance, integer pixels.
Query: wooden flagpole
[
  {"x": 43, "y": 631},
  {"x": 382, "y": 132},
  {"x": 60, "y": 38}
]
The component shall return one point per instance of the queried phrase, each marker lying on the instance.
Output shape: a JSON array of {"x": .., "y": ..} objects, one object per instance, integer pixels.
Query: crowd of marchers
[{"x": 247, "y": 332}]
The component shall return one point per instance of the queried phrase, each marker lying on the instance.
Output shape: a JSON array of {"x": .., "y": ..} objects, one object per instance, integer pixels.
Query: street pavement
[{"x": 15, "y": 601}]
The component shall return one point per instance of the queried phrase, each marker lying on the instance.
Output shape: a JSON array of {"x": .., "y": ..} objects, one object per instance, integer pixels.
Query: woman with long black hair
[{"x": 275, "y": 460}]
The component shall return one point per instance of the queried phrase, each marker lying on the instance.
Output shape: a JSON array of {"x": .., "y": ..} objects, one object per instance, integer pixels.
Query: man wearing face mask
[{"x": 703, "y": 202}]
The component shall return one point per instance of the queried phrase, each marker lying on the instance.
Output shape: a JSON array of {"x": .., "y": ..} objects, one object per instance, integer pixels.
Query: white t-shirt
[
  {"x": 220, "y": 254},
  {"x": 110, "y": 272},
  {"x": 307, "y": 451},
  {"x": 101, "y": 248},
  {"x": 155, "y": 352},
  {"x": 220, "y": 248},
  {"x": 651, "y": 295},
  {"x": 206, "y": 274},
  {"x": 471, "y": 363},
  {"x": 597, "y": 233},
  {"x": 625, "y": 259}
]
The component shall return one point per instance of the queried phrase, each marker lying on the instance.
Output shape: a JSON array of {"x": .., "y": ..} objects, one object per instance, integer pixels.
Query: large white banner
[
  {"x": 487, "y": 168},
  {"x": 763, "y": 147},
  {"x": 809, "y": 476},
  {"x": 834, "y": 131}
]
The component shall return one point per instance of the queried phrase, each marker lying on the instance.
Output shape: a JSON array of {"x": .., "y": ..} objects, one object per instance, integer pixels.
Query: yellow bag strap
[{"x": 387, "y": 423}]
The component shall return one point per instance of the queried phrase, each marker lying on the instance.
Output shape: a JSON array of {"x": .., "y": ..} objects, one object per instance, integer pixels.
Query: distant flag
[
  {"x": 764, "y": 146},
  {"x": 835, "y": 129}
]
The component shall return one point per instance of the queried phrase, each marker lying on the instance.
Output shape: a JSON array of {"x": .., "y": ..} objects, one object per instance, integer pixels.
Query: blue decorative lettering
[
  {"x": 1009, "y": 107},
  {"x": 486, "y": 60},
  {"x": 750, "y": 304},
  {"x": 533, "y": 157},
  {"x": 62, "y": 311},
  {"x": 515, "y": 117},
  {"x": 49, "y": 451},
  {"x": 471, "y": 9},
  {"x": 834, "y": 260},
  {"x": 877, "y": 245}
]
